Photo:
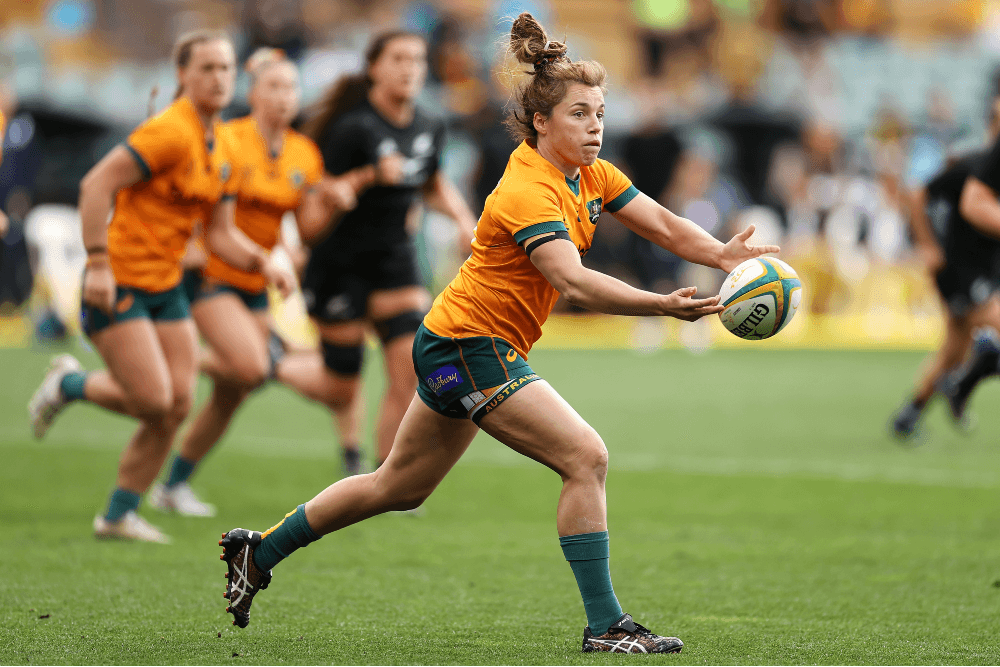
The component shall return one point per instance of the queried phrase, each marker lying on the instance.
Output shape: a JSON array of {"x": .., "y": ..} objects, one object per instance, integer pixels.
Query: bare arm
[
  {"x": 980, "y": 207},
  {"x": 227, "y": 241},
  {"x": 684, "y": 238},
  {"x": 329, "y": 199},
  {"x": 442, "y": 196},
  {"x": 115, "y": 171},
  {"x": 559, "y": 261}
]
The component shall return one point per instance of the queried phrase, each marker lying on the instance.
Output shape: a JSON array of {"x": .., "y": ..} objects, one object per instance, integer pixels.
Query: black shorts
[
  {"x": 965, "y": 288},
  {"x": 337, "y": 284}
]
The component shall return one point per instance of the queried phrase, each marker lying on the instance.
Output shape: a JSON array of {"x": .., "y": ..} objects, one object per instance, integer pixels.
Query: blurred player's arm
[
  {"x": 558, "y": 259},
  {"x": 234, "y": 247},
  {"x": 442, "y": 196},
  {"x": 979, "y": 205},
  {"x": 326, "y": 201},
  {"x": 653, "y": 222},
  {"x": 925, "y": 243},
  {"x": 117, "y": 170}
]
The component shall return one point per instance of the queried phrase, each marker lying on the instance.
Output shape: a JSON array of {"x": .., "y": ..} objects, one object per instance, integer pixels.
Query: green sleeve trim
[
  {"x": 618, "y": 203},
  {"x": 538, "y": 228},
  {"x": 147, "y": 173}
]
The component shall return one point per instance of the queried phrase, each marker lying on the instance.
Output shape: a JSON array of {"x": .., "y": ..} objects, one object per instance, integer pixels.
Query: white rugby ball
[{"x": 760, "y": 298}]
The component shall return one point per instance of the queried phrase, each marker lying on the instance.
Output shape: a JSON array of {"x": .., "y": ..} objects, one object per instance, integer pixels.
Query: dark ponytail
[{"x": 349, "y": 91}]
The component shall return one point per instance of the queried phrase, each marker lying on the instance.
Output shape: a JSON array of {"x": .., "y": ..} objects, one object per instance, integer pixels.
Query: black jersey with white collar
[{"x": 360, "y": 137}]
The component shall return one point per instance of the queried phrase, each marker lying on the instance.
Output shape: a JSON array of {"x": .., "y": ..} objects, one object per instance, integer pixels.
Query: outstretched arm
[
  {"x": 684, "y": 238},
  {"x": 979, "y": 205},
  {"x": 559, "y": 261}
]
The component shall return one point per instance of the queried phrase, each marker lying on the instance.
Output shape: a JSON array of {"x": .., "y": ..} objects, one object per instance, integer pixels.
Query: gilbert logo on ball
[{"x": 760, "y": 297}]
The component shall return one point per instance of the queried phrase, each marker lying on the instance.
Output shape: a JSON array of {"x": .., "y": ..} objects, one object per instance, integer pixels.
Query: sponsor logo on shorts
[
  {"x": 755, "y": 317},
  {"x": 511, "y": 356},
  {"x": 594, "y": 207},
  {"x": 513, "y": 386},
  {"x": 125, "y": 303},
  {"x": 443, "y": 379}
]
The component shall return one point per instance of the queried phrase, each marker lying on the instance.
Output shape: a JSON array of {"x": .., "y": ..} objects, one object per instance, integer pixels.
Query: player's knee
[
  {"x": 181, "y": 407},
  {"x": 591, "y": 458},
  {"x": 153, "y": 404},
  {"x": 249, "y": 373}
]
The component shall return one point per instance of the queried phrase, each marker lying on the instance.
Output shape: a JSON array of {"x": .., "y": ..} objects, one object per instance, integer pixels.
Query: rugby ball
[{"x": 760, "y": 298}]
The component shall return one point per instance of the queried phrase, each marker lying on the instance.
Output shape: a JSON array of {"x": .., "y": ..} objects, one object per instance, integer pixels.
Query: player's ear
[{"x": 540, "y": 122}]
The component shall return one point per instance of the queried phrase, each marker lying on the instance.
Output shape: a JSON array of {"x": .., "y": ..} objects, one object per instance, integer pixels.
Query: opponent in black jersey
[
  {"x": 364, "y": 270},
  {"x": 965, "y": 263}
]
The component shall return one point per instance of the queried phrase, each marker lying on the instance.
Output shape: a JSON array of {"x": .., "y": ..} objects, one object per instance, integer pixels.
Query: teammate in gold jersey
[
  {"x": 470, "y": 353},
  {"x": 280, "y": 170},
  {"x": 168, "y": 176}
]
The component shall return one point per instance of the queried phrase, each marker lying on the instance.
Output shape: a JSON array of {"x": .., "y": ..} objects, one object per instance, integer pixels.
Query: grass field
[{"x": 757, "y": 510}]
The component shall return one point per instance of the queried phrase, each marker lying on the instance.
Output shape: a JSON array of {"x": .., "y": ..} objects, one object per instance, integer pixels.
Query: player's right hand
[
  {"x": 679, "y": 304},
  {"x": 338, "y": 193},
  {"x": 389, "y": 169},
  {"x": 99, "y": 288}
]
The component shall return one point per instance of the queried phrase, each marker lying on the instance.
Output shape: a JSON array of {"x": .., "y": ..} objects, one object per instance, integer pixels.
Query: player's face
[
  {"x": 210, "y": 75},
  {"x": 276, "y": 93},
  {"x": 401, "y": 67},
  {"x": 575, "y": 129}
]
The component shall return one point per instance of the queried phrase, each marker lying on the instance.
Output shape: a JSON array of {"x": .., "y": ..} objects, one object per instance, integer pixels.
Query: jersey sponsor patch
[
  {"x": 443, "y": 379},
  {"x": 594, "y": 207}
]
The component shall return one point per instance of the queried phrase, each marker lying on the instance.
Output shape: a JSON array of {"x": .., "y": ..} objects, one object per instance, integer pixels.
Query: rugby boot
[
  {"x": 627, "y": 636},
  {"x": 48, "y": 400},
  {"x": 904, "y": 424},
  {"x": 245, "y": 579},
  {"x": 958, "y": 387},
  {"x": 179, "y": 498},
  {"x": 130, "y": 527}
]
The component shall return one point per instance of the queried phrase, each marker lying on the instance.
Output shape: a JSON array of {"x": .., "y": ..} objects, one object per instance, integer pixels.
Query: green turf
[{"x": 757, "y": 510}]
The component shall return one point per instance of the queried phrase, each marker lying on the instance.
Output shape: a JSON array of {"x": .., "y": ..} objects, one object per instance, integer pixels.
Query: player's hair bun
[{"x": 530, "y": 44}]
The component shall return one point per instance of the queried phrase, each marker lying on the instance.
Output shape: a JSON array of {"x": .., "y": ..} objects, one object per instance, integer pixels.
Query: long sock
[
  {"x": 72, "y": 386},
  {"x": 588, "y": 554},
  {"x": 120, "y": 503},
  {"x": 291, "y": 533},
  {"x": 180, "y": 471}
]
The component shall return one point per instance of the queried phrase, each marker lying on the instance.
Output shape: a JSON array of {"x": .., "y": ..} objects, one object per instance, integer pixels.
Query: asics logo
[{"x": 622, "y": 645}]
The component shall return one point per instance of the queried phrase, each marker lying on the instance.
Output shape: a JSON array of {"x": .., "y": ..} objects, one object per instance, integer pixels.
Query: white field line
[{"x": 494, "y": 455}]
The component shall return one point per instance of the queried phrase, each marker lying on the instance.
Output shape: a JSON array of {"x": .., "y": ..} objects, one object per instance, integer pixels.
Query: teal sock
[
  {"x": 588, "y": 554},
  {"x": 72, "y": 385},
  {"x": 180, "y": 471},
  {"x": 121, "y": 501},
  {"x": 293, "y": 532}
]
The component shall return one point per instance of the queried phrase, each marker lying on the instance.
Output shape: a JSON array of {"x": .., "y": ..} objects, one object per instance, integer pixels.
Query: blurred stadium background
[
  {"x": 810, "y": 118},
  {"x": 756, "y": 484}
]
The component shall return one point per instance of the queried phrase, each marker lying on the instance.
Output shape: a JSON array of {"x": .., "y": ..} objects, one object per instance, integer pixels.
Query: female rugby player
[
  {"x": 963, "y": 261},
  {"x": 470, "y": 351},
  {"x": 364, "y": 272},
  {"x": 282, "y": 170},
  {"x": 168, "y": 175}
]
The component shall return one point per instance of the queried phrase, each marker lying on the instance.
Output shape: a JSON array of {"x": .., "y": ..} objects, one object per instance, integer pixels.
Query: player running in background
[
  {"x": 963, "y": 259},
  {"x": 364, "y": 271},
  {"x": 980, "y": 206},
  {"x": 168, "y": 175},
  {"x": 281, "y": 170},
  {"x": 470, "y": 351}
]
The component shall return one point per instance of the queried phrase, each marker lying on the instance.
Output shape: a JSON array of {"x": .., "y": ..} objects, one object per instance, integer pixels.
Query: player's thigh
[
  {"x": 179, "y": 342},
  {"x": 426, "y": 447},
  {"x": 135, "y": 358},
  {"x": 233, "y": 332},
  {"x": 538, "y": 423},
  {"x": 386, "y": 303}
]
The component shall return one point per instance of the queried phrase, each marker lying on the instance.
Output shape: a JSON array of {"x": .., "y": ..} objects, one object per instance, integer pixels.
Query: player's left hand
[
  {"x": 281, "y": 279},
  {"x": 738, "y": 250}
]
